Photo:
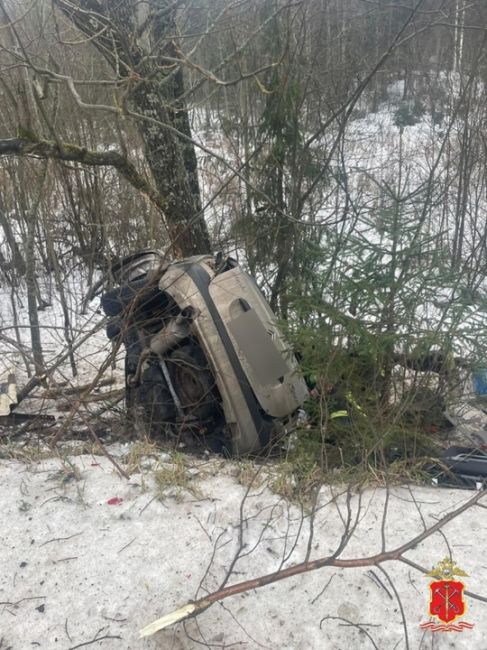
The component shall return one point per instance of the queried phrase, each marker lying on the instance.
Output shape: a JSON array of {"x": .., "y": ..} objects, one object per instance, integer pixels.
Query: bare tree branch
[{"x": 69, "y": 152}]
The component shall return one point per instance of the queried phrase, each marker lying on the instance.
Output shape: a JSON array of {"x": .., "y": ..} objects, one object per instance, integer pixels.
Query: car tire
[{"x": 193, "y": 381}]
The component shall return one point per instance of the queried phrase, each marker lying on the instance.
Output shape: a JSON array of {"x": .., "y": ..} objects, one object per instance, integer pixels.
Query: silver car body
[{"x": 254, "y": 369}]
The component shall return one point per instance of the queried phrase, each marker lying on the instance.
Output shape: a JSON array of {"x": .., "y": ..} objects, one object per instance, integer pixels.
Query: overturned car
[{"x": 203, "y": 351}]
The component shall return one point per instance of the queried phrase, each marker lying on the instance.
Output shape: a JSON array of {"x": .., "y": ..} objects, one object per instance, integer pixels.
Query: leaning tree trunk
[{"x": 143, "y": 52}]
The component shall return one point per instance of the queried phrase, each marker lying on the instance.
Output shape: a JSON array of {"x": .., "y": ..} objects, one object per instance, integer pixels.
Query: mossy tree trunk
[{"x": 141, "y": 49}]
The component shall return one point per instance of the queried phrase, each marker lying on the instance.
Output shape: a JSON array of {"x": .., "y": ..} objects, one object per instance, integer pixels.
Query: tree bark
[{"x": 155, "y": 86}]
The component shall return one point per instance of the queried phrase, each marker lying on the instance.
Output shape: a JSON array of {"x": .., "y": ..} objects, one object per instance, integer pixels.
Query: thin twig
[
  {"x": 95, "y": 640},
  {"x": 61, "y": 539},
  {"x": 127, "y": 545}
]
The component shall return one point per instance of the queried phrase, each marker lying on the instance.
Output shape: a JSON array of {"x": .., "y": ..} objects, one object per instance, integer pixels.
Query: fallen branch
[
  {"x": 192, "y": 609},
  {"x": 37, "y": 380},
  {"x": 112, "y": 396},
  {"x": 61, "y": 391}
]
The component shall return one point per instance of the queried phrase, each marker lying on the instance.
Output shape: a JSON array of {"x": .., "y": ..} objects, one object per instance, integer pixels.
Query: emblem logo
[{"x": 447, "y": 604}]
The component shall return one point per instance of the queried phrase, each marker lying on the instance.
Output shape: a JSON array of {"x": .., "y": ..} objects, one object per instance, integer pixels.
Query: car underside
[{"x": 203, "y": 351}]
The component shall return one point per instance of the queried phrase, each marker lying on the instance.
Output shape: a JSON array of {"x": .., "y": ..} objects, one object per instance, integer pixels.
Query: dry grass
[
  {"x": 139, "y": 452},
  {"x": 175, "y": 478},
  {"x": 248, "y": 474}
]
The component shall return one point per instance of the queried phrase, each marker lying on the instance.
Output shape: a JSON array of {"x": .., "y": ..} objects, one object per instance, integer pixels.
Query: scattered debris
[
  {"x": 114, "y": 501},
  {"x": 8, "y": 394}
]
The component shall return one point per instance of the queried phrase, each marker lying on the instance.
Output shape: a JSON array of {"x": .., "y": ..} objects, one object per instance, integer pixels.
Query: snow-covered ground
[
  {"x": 89, "y": 558},
  {"x": 87, "y": 554}
]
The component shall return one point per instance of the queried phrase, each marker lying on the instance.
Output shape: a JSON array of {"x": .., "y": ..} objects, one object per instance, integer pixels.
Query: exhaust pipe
[{"x": 178, "y": 329}]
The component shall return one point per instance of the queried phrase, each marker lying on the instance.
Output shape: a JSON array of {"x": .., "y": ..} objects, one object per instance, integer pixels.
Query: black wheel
[
  {"x": 193, "y": 381},
  {"x": 150, "y": 404}
]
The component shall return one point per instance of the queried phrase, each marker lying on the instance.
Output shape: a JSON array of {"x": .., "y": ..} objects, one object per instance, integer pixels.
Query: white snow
[{"x": 75, "y": 567}]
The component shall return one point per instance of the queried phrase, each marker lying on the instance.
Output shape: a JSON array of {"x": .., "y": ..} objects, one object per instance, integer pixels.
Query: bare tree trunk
[
  {"x": 166, "y": 158},
  {"x": 17, "y": 264},
  {"x": 154, "y": 95},
  {"x": 54, "y": 264},
  {"x": 30, "y": 279}
]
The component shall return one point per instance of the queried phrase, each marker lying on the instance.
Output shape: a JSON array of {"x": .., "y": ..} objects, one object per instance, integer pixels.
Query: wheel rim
[{"x": 192, "y": 392}]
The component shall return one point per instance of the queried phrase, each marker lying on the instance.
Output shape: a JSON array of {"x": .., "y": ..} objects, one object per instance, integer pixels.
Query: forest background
[{"x": 337, "y": 148}]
